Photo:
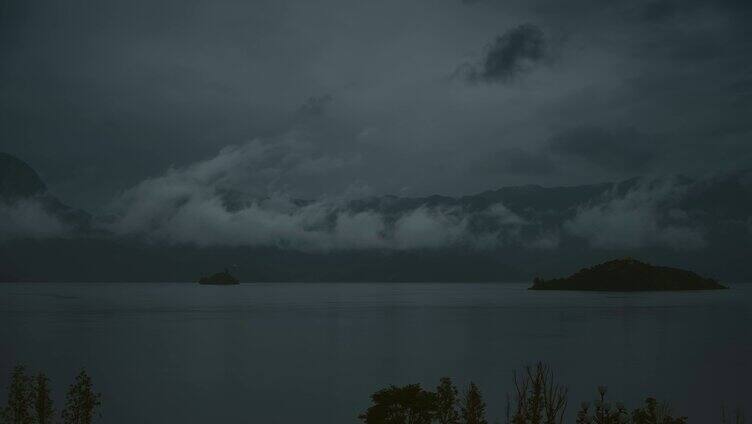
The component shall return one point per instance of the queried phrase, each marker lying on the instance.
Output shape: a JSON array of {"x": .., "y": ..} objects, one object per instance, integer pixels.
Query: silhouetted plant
[
  {"x": 538, "y": 398},
  {"x": 401, "y": 405},
  {"x": 18, "y": 408},
  {"x": 474, "y": 409},
  {"x": 603, "y": 412},
  {"x": 737, "y": 418},
  {"x": 447, "y": 398},
  {"x": 81, "y": 401},
  {"x": 41, "y": 400},
  {"x": 656, "y": 413}
]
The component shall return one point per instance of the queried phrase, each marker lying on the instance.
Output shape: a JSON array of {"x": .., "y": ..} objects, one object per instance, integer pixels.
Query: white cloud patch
[
  {"x": 429, "y": 228},
  {"x": 636, "y": 219},
  {"x": 202, "y": 219},
  {"x": 28, "y": 219},
  {"x": 545, "y": 241}
]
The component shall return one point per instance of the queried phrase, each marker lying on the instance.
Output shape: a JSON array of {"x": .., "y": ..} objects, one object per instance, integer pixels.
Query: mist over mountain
[
  {"x": 191, "y": 220},
  {"x": 27, "y": 209}
]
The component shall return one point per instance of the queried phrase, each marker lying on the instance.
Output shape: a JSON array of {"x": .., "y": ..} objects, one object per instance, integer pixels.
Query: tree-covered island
[
  {"x": 220, "y": 278},
  {"x": 629, "y": 274}
]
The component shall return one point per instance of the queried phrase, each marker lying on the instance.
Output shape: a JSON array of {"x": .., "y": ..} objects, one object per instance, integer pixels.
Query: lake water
[{"x": 313, "y": 353}]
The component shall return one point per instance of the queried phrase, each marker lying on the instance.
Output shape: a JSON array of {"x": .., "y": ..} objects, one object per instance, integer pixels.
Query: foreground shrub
[
  {"x": 18, "y": 407},
  {"x": 604, "y": 412},
  {"x": 401, "y": 405},
  {"x": 411, "y": 404},
  {"x": 41, "y": 400},
  {"x": 29, "y": 400},
  {"x": 538, "y": 398},
  {"x": 474, "y": 409},
  {"x": 81, "y": 401}
]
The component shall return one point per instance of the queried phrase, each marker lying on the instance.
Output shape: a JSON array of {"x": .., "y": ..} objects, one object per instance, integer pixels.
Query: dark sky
[{"x": 342, "y": 96}]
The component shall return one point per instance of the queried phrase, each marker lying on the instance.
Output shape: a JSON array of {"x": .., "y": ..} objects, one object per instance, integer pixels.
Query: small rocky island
[
  {"x": 629, "y": 274},
  {"x": 220, "y": 279}
]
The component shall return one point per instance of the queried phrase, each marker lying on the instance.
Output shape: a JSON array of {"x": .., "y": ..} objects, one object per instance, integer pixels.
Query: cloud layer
[
  {"x": 232, "y": 200},
  {"x": 28, "y": 218},
  {"x": 97, "y": 97},
  {"x": 641, "y": 217}
]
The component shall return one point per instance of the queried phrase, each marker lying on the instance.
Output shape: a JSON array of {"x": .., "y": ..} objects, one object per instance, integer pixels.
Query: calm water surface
[{"x": 313, "y": 353}]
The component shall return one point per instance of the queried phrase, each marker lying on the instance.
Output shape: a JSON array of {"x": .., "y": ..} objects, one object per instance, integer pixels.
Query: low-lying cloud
[
  {"x": 641, "y": 217},
  {"x": 28, "y": 218},
  {"x": 233, "y": 200},
  {"x": 327, "y": 224}
]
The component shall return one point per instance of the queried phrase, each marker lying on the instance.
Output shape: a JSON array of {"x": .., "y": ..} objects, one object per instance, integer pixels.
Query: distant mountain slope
[
  {"x": 728, "y": 195},
  {"x": 18, "y": 180},
  {"x": 19, "y": 183},
  {"x": 519, "y": 199}
]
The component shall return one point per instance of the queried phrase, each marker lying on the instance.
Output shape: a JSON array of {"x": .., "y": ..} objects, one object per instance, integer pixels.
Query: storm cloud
[
  {"x": 509, "y": 55},
  {"x": 100, "y": 96},
  {"x": 315, "y": 105}
]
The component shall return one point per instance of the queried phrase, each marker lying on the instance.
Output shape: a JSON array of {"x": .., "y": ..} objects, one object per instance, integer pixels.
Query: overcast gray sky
[{"x": 416, "y": 97}]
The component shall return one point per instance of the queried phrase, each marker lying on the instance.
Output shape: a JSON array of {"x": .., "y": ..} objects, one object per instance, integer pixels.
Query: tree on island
[
  {"x": 81, "y": 401},
  {"x": 220, "y": 278}
]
